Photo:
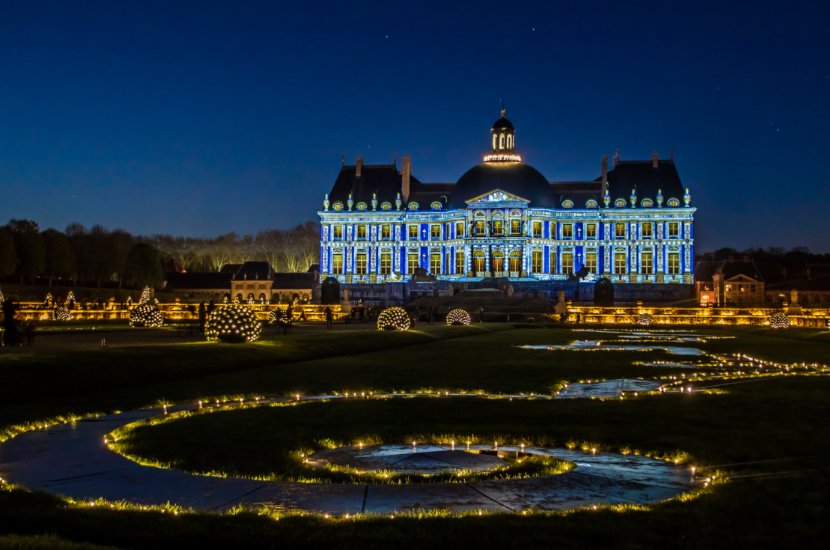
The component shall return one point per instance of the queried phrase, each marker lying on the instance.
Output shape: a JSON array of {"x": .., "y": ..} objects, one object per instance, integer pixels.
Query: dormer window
[{"x": 619, "y": 203}]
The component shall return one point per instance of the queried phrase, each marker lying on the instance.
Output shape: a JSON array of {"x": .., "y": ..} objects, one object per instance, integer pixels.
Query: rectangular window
[
  {"x": 619, "y": 230},
  {"x": 447, "y": 262},
  {"x": 385, "y": 263},
  {"x": 515, "y": 227},
  {"x": 459, "y": 230},
  {"x": 435, "y": 232},
  {"x": 479, "y": 227},
  {"x": 674, "y": 229},
  {"x": 591, "y": 231},
  {"x": 412, "y": 262},
  {"x": 337, "y": 263},
  {"x": 537, "y": 229},
  {"x": 646, "y": 263},
  {"x": 674, "y": 263},
  {"x": 360, "y": 264},
  {"x": 459, "y": 263},
  {"x": 752, "y": 288},
  {"x": 728, "y": 288},
  {"x": 536, "y": 261},
  {"x": 338, "y": 232},
  {"x": 498, "y": 227},
  {"x": 591, "y": 262},
  {"x": 619, "y": 263},
  {"x": 385, "y": 232},
  {"x": 648, "y": 230},
  {"x": 567, "y": 263},
  {"x": 435, "y": 263},
  {"x": 567, "y": 231},
  {"x": 413, "y": 232},
  {"x": 361, "y": 231}
]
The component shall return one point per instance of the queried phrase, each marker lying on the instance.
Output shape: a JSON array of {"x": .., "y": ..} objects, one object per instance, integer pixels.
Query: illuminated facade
[{"x": 504, "y": 219}]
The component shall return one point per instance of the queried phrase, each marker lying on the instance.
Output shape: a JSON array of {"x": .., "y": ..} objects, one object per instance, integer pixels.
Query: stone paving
[{"x": 72, "y": 460}]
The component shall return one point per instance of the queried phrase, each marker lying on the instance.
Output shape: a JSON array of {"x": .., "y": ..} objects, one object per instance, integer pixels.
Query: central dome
[{"x": 516, "y": 178}]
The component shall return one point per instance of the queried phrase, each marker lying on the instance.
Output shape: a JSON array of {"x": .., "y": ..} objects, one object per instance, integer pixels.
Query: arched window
[
  {"x": 646, "y": 203},
  {"x": 479, "y": 261},
  {"x": 436, "y": 205},
  {"x": 674, "y": 202},
  {"x": 386, "y": 206},
  {"x": 497, "y": 261},
  {"x": 567, "y": 205},
  {"x": 361, "y": 206},
  {"x": 516, "y": 261},
  {"x": 509, "y": 141},
  {"x": 591, "y": 204},
  {"x": 619, "y": 203},
  {"x": 413, "y": 206},
  {"x": 501, "y": 141},
  {"x": 494, "y": 141},
  {"x": 338, "y": 206}
]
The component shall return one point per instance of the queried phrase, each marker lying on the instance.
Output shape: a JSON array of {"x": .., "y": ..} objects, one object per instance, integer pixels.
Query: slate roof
[
  {"x": 647, "y": 180},
  {"x": 502, "y": 123},
  {"x": 230, "y": 268},
  {"x": 254, "y": 271},
  {"x": 731, "y": 270},
  {"x": 517, "y": 178},
  {"x": 292, "y": 280},
  {"x": 705, "y": 271},
  {"x": 383, "y": 179},
  {"x": 198, "y": 281}
]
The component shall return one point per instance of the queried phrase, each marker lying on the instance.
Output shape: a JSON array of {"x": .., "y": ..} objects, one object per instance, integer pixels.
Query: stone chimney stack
[
  {"x": 406, "y": 172},
  {"x": 654, "y": 159},
  {"x": 358, "y": 169},
  {"x": 604, "y": 175}
]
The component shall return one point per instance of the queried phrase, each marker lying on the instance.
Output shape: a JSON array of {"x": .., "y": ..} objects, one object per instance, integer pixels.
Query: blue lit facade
[{"x": 503, "y": 219}]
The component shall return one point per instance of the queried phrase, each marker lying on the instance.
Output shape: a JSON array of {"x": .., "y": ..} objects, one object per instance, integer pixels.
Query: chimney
[
  {"x": 654, "y": 160},
  {"x": 746, "y": 258},
  {"x": 358, "y": 168},
  {"x": 604, "y": 175},
  {"x": 406, "y": 172},
  {"x": 731, "y": 258}
]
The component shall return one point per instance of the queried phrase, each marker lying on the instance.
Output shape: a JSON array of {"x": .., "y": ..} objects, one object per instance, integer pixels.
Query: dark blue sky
[{"x": 202, "y": 118}]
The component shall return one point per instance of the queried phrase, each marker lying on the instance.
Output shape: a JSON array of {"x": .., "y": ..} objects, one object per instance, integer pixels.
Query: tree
[
  {"x": 144, "y": 265},
  {"x": 79, "y": 239},
  {"x": 59, "y": 256},
  {"x": 29, "y": 247},
  {"x": 121, "y": 242},
  {"x": 8, "y": 254}
]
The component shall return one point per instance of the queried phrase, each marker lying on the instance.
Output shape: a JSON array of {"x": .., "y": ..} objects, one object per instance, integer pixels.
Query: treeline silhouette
[{"x": 98, "y": 255}]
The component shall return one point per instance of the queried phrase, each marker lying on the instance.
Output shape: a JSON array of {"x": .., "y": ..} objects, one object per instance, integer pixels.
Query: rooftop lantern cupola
[{"x": 504, "y": 141}]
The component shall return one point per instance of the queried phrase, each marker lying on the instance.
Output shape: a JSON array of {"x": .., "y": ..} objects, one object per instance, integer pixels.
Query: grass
[{"x": 781, "y": 419}]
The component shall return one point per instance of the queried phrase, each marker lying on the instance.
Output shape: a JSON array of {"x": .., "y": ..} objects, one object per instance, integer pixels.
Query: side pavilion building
[{"x": 504, "y": 219}]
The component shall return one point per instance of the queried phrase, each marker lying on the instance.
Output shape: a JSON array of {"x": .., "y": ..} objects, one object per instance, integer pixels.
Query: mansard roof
[
  {"x": 251, "y": 271},
  {"x": 647, "y": 180},
  {"x": 383, "y": 179}
]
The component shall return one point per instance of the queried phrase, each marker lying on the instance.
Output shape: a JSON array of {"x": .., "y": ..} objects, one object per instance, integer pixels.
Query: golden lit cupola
[{"x": 504, "y": 140}]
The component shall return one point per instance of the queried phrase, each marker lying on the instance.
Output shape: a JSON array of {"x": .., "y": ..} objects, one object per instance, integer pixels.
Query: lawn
[{"x": 773, "y": 431}]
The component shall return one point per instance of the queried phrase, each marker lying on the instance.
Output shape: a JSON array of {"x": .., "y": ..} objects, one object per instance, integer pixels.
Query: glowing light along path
[
  {"x": 73, "y": 460},
  {"x": 588, "y": 345}
]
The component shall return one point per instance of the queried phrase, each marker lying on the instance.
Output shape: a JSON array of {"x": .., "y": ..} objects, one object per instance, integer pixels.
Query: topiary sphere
[
  {"x": 779, "y": 320},
  {"x": 233, "y": 324},
  {"x": 458, "y": 317},
  {"x": 61, "y": 314},
  {"x": 146, "y": 315},
  {"x": 645, "y": 319},
  {"x": 393, "y": 318}
]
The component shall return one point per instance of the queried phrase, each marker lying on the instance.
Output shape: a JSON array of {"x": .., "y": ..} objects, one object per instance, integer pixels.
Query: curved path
[{"x": 72, "y": 460}]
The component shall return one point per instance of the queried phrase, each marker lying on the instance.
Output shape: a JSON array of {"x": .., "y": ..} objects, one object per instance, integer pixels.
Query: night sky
[{"x": 202, "y": 118}]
